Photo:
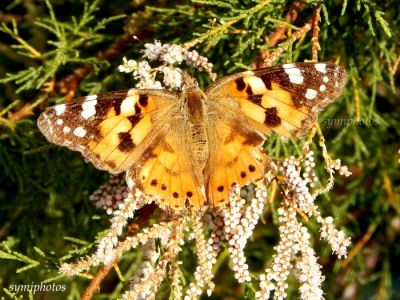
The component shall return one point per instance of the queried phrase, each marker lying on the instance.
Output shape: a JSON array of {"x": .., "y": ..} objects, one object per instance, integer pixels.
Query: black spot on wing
[
  {"x": 240, "y": 84},
  {"x": 126, "y": 144},
  {"x": 266, "y": 79},
  {"x": 134, "y": 119},
  {"x": 271, "y": 117},
  {"x": 117, "y": 106},
  {"x": 249, "y": 91},
  {"x": 138, "y": 110},
  {"x": 252, "y": 168},
  {"x": 143, "y": 100},
  {"x": 256, "y": 99}
]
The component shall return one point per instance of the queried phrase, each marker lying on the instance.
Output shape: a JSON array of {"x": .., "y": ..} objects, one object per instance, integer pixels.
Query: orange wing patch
[
  {"x": 123, "y": 128},
  {"x": 235, "y": 159},
  {"x": 166, "y": 171},
  {"x": 272, "y": 106}
]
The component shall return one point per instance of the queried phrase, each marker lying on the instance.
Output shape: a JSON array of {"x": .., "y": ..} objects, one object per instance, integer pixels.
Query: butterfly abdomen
[
  {"x": 198, "y": 146},
  {"x": 197, "y": 135}
]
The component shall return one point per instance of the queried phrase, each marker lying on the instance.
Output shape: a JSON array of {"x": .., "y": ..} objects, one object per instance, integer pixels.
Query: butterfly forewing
[
  {"x": 285, "y": 99},
  {"x": 107, "y": 128}
]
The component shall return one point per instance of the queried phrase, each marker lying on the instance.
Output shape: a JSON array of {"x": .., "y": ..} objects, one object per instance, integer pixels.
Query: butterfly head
[{"x": 189, "y": 83}]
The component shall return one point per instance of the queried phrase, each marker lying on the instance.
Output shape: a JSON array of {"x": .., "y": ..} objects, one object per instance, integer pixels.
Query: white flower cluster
[
  {"x": 110, "y": 195},
  {"x": 275, "y": 277},
  {"x": 300, "y": 192},
  {"x": 239, "y": 223},
  {"x": 294, "y": 239},
  {"x": 145, "y": 285},
  {"x": 337, "y": 239},
  {"x": 161, "y": 231},
  {"x": 147, "y": 289},
  {"x": 298, "y": 185},
  {"x": 309, "y": 269},
  {"x": 170, "y": 55},
  {"x": 234, "y": 235},
  {"x": 125, "y": 211},
  {"x": 207, "y": 253},
  {"x": 337, "y": 166},
  {"x": 146, "y": 267}
]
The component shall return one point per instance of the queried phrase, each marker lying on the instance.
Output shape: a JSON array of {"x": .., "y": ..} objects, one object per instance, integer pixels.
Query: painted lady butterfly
[{"x": 189, "y": 148}]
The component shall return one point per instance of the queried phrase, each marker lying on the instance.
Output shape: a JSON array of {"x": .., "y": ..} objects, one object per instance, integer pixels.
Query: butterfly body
[
  {"x": 189, "y": 148},
  {"x": 195, "y": 109}
]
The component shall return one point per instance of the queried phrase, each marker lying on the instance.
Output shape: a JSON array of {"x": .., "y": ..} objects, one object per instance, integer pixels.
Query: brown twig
[
  {"x": 360, "y": 244},
  {"x": 314, "y": 40},
  {"x": 395, "y": 65},
  {"x": 291, "y": 16},
  {"x": 11, "y": 221},
  {"x": 279, "y": 34},
  {"x": 23, "y": 112},
  {"x": 295, "y": 36},
  {"x": 143, "y": 216},
  {"x": 97, "y": 279}
]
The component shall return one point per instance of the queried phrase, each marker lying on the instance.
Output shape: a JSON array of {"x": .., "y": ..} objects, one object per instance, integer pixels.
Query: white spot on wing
[
  {"x": 91, "y": 97},
  {"x": 325, "y": 79},
  {"x": 296, "y": 79},
  {"x": 294, "y": 73},
  {"x": 88, "y": 104},
  {"x": 287, "y": 66},
  {"x": 132, "y": 92},
  {"x": 88, "y": 107},
  {"x": 320, "y": 68},
  {"x": 59, "y": 109},
  {"x": 311, "y": 94},
  {"x": 59, "y": 122},
  {"x": 87, "y": 113},
  {"x": 79, "y": 131},
  {"x": 128, "y": 105},
  {"x": 322, "y": 87},
  {"x": 256, "y": 84},
  {"x": 66, "y": 129}
]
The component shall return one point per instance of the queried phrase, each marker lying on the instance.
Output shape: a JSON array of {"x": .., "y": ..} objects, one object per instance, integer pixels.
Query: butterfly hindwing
[
  {"x": 107, "y": 128},
  {"x": 285, "y": 99},
  {"x": 235, "y": 158},
  {"x": 166, "y": 170}
]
